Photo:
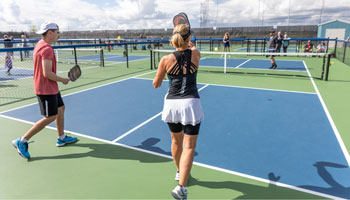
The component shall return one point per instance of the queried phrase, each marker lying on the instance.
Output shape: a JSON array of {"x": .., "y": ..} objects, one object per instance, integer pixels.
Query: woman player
[
  {"x": 182, "y": 108},
  {"x": 226, "y": 41}
]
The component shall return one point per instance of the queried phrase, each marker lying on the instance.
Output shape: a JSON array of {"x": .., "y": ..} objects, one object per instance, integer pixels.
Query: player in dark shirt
[{"x": 272, "y": 48}]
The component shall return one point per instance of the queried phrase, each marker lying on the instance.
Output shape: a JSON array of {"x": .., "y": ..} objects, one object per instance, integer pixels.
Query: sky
[{"x": 75, "y": 15}]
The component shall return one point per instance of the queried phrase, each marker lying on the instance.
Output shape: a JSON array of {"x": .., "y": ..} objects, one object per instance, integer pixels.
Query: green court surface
[{"x": 98, "y": 169}]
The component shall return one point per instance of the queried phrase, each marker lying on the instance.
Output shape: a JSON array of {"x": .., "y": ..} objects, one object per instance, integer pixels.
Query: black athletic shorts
[
  {"x": 187, "y": 129},
  {"x": 49, "y": 104},
  {"x": 271, "y": 51}
]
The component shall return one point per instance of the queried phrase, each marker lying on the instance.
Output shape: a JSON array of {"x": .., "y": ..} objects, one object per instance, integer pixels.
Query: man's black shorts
[{"x": 49, "y": 104}]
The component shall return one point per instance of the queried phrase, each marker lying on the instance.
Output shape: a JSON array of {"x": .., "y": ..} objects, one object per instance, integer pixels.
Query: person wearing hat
[
  {"x": 46, "y": 89},
  {"x": 308, "y": 47},
  {"x": 273, "y": 48}
]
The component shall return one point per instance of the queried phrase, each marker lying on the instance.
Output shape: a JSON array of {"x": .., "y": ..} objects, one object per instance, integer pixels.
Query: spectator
[
  {"x": 308, "y": 47},
  {"x": 8, "y": 55},
  {"x": 279, "y": 41},
  {"x": 285, "y": 43},
  {"x": 12, "y": 41},
  {"x": 321, "y": 48},
  {"x": 25, "y": 44}
]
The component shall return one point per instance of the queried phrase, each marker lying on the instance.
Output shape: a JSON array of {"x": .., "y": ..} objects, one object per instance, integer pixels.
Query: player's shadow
[
  {"x": 335, "y": 189},
  {"x": 251, "y": 191},
  {"x": 149, "y": 144},
  {"x": 107, "y": 151}
]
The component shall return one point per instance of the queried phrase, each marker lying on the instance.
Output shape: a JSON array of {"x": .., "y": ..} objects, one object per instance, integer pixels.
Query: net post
[
  {"x": 323, "y": 66},
  {"x": 328, "y": 64},
  {"x": 211, "y": 44},
  {"x": 102, "y": 58},
  {"x": 95, "y": 46},
  {"x": 57, "y": 58},
  {"x": 248, "y": 45},
  {"x": 225, "y": 61},
  {"x": 158, "y": 51},
  {"x": 151, "y": 59},
  {"x": 75, "y": 55},
  {"x": 256, "y": 44},
  {"x": 154, "y": 60},
  {"x": 21, "y": 54}
]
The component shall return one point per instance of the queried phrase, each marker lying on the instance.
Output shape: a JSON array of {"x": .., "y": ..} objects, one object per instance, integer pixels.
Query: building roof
[{"x": 334, "y": 21}]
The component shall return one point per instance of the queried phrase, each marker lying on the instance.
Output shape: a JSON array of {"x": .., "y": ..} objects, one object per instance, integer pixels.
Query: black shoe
[{"x": 271, "y": 67}]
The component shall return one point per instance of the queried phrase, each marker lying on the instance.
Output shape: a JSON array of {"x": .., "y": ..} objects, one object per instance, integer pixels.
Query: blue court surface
[
  {"x": 267, "y": 134},
  {"x": 16, "y": 73},
  {"x": 109, "y": 58},
  {"x": 289, "y": 65}
]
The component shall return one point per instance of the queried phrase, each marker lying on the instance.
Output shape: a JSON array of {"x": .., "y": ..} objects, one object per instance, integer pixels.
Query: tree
[{"x": 33, "y": 28}]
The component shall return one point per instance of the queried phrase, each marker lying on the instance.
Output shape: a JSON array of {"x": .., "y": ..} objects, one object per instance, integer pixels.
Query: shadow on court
[
  {"x": 149, "y": 144},
  {"x": 105, "y": 151},
  {"x": 250, "y": 191},
  {"x": 335, "y": 189}
]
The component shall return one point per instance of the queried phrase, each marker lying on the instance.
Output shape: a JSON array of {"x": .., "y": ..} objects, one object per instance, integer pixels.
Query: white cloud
[{"x": 144, "y": 14}]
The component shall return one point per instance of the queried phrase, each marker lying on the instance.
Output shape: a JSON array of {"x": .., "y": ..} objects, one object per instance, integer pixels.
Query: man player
[
  {"x": 46, "y": 89},
  {"x": 273, "y": 48}
]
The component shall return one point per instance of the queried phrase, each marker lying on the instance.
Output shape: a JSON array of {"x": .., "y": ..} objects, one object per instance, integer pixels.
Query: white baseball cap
[{"x": 47, "y": 26}]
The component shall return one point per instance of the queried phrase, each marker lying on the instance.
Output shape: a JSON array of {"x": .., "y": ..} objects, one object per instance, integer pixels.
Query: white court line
[
  {"x": 243, "y": 87},
  {"x": 243, "y": 63},
  {"x": 144, "y": 123},
  {"x": 195, "y": 163},
  {"x": 335, "y": 130},
  {"x": 137, "y": 127},
  {"x": 84, "y": 90}
]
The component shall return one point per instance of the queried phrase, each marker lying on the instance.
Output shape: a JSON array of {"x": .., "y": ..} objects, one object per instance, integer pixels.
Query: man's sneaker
[
  {"x": 66, "y": 140},
  {"x": 22, "y": 148},
  {"x": 179, "y": 192},
  {"x": 177, "y": 176}
]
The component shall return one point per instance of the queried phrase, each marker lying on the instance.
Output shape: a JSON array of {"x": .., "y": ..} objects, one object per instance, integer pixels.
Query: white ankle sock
[
  {"x": 61, "y": 137},
  {"x": 24, "y": 140}
]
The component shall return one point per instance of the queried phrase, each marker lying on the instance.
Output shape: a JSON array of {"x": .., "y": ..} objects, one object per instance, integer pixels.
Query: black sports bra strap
[{"x": 183, "y": 58}]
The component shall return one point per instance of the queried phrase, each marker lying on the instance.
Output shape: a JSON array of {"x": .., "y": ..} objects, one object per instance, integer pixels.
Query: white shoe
[
  {"x": 177, "y": 176},
  {"x": 179, "y": 192}
]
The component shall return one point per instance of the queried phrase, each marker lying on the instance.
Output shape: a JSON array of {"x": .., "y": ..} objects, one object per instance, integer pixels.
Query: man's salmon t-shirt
[{"x": 42, "y": 85}]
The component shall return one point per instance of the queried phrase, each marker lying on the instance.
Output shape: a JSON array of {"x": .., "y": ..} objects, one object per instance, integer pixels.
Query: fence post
[
  {"x": 335, "y": 47},
  {"x": 346, "y": 44}
]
